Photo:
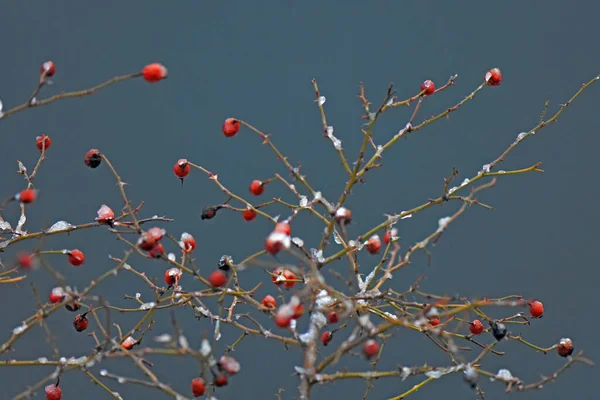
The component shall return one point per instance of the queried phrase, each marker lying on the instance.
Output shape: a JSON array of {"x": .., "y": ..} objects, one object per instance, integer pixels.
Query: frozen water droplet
[
  {"x": 19, "y": 329},
  {"x": 5, "y": 225},
  {"x": 298, "y": 242},
  {"x": 60, "y": 226},
  {"x": 521, "y": 136},
  {"x": 121, "y": 380},
  {"x": 336, "y": 237},
  {"x": 433, "y": 374},
  {"x": 147, "y": 306},
  {"x": 303, "y": 201},
  {"x": 322, "y": 100},
  {"x": 172, "y": 257},
  {"x": 205, "y": 348}
]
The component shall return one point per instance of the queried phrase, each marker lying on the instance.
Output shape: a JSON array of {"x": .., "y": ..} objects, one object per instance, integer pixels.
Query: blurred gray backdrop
[{"x": 255, "y": 61}]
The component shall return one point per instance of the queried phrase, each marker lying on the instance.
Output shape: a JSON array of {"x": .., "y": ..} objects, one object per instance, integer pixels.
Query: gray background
[{"x": 254, "y": 60}]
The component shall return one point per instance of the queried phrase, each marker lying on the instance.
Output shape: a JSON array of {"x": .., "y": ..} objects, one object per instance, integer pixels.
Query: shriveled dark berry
[
  {"x": 225, "y": 263},
  {"x": 209, "y": 212},
  {"x": 498, "y": 330},
  {"x": 93, "y": 158}
]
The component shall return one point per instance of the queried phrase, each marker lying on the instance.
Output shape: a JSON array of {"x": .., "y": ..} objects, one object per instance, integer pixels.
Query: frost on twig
[{"x": 337, "y": 143}]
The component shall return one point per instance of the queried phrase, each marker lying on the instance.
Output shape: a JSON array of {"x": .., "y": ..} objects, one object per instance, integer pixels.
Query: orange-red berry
[
  {"x": 229, "y": 365},
  {"x": 43, "y": 142},
  {"x": 390, "y": 235},
  {"x": 57, "y": 295},
  {"x": 53, "y": 392},
  {"x": 25, "y": 260},
  {"x": 181, "y": 168},
  {"x": 217, "y": 278},
  {"x": 257, "y": 187},
  {"x": 187, "y": 242},
  {"x": 269, "y": 302},
  {"x": 326, "y": 337},
  {"x": 156, "y": 233},
  {"x": 48, "y": 68},
  {"x": 493, "y": 77},
  {"x": 285, "y": 276},
  {"x": 249, "y": 214},
  {"x": 198, "y": 386},
  {"x": 428, "y": 87},
  {"x": 435, "y": 321},
  {"x": 93, "y": 158},
  {"x": 157, "y": 250},
  {"x": 221, "y": 380},
  {"x": 231, "y": 126},
  {"x": 370, "y": 348},
  {"x": 536, "y": 309},
  {"x": 284, "y": 316},
  {"x": 277, "y": 241},
  {"x": 26, "y": 196},
  {"x": 565, "y": 347},
  {"x": 76, "y": 257},
  {"x": 105, "y": 215},
  {"x": 128, "y": 343},
  {"x": 373, "y": 244},
  {"x": 332, "y": 317},
  {"x": 172, "y": 276},
  {"x": 80, "y": 322},
  {"x": 343, "y": 215},
  {"x": 154, "y": 72},
  {"x": 283, "y": 227},
  {"x": 476, "y": 327},
  {"x": 298, "y": 311}
]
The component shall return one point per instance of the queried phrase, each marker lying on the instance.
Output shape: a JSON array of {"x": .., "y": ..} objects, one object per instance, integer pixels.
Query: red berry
[
  {"x": 536, "y": 309},
  {"x": 43, "y": 142},
  {"x": 157, "y": 250},
  {"x": 435, "y": 321},
  {"x": 326, "y": 337},
  {"x": 298, "y": 311},
  {"x": 80, "y": 322},
  {"x": 156, "y": 233},
  {"x": 53, "y": 392},
  {"x": 370, "y": 348},
  {"x": 187, "y": 243},
  {"x": 373, "y": 244},
  {"x": 428, "y": 87},
  {"x": 565, "y": 347},
  {"x": 221, "y": 380},
  {"x": 390, "y": 235},
  {"x": 128, "y": 343},
  {"x": 154, "y": 72},
  {"x": 283, "y": 227},
  {"x": 76, "y": 257},
  {"x": 333, "y": 317},
  {"x": 181, "y": 168},
  {"x": 198, "y": 386},
  {"x": 26, "y": 196},
  {"x": 57, "y": 295},
  {"x": 105, "y": 214},
  {"x": 277, "y": 241},
  {"x": 217, "y": 278},
  {"x": 146, "y": 241},
  {"x": 343, "y": 215},
  {"x": 257, "y": 187},
  {"x": 249, "y": 214},
  {"x": 285, "y": 276},
  {"x": 93, "y": 158},
  {"x": 269, "y": 302},
  {"x": 172, "y": 276},
  {"x": 49, "y": 68},
  {"x": 229, "y": 365},
  {"x": 25, "y": 260},
  {"x": 476, "y": 327},
  {"x": 284, "y": 316},
  {"x": 493, "y": 77},
  {"x": 231, "y": 126}
]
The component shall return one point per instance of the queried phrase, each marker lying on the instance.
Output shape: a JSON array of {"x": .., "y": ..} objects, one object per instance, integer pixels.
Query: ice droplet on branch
[
  {"x": 60, "y": 226},
  {"x": 322, "y": 100}
]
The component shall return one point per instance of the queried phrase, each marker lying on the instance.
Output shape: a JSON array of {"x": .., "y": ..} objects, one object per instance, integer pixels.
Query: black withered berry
[{"x": 498, "y": 330}]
